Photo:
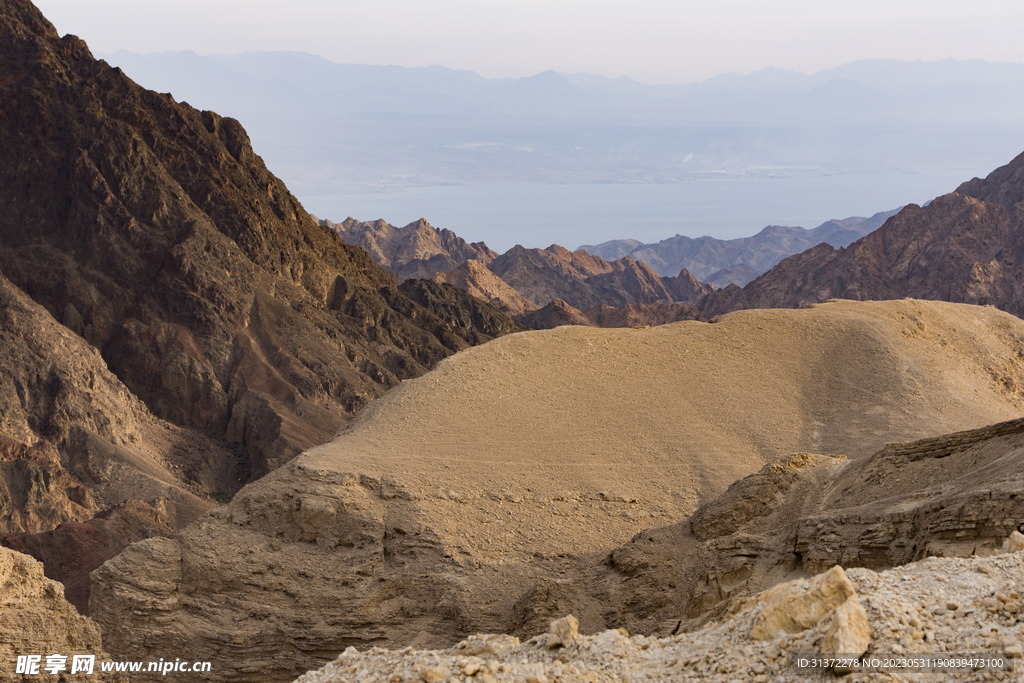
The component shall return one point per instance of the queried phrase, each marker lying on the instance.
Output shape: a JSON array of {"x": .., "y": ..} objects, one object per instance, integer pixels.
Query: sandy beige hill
[{"x": 469, "y": 499}]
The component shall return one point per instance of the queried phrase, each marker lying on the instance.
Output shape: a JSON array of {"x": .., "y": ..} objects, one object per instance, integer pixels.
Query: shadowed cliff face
[
  {"x": 155, "y": 232},
  {"x": 964, "y": 247}
]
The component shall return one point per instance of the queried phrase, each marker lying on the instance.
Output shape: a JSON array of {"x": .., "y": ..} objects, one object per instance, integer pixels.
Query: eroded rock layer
[
  {"x": 941, "y": 609},
  {"x": 957, "y": 495}
]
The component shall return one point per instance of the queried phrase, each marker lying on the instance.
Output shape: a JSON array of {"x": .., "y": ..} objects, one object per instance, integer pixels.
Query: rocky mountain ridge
[
  {"x": 522, "y": 280},
  {"x": 526, "y": 279},
  {"x": 415, "y": 252}
]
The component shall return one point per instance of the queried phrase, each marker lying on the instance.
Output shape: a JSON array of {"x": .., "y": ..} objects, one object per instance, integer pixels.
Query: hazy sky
[{"x": 673, "y": 41}]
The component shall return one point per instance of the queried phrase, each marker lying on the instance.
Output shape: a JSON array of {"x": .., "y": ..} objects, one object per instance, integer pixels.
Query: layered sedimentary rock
[
  {"x": 487, "y": 495},
  {"x": 957, "y": 495}
]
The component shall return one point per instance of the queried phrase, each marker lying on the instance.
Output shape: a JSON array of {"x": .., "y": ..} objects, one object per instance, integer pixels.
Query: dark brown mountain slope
[
  {"x": 85, "y": 468},
  {"x": 154, "y": 231},
  {"x": 964, "y": 247}
]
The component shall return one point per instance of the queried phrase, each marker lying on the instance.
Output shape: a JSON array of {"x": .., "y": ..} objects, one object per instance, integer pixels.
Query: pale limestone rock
[
  {"x": 849, "y": 632},
  {"x": 485, "y": 644},
  {"x": 563, "y": 631},
  {"x": 433, "y": 674},
  {"x": 797, "y": 606},
  {"x": 1015, "y": 543}
]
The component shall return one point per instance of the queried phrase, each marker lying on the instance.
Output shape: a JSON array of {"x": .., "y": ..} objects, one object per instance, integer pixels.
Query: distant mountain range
[
  {"x": 737, "y": 261},
  {"x": 577, "y": 287},
  {"x": 328, "y": 128},
  {"x": 963, "y": 247}
]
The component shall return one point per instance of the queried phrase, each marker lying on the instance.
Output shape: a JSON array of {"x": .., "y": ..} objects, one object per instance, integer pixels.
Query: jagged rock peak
[{"x": 415, "y": 251}]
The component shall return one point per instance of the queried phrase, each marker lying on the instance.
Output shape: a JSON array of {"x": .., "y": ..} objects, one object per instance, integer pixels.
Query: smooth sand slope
[
  {"x": 471, "y": 499},
  {"x": 634, "y": 427}
]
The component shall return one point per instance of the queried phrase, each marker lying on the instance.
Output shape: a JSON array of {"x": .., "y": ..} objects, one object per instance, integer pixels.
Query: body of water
[{"x": 536, "y": 215}]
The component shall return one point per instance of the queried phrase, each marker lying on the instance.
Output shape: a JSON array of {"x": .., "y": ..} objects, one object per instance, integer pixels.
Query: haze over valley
[{"x": 578, "y": 159}]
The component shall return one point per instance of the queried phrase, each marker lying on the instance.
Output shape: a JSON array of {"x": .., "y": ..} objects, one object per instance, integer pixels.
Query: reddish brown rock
[
  {"x": 584, "y": 281},
  {"x": 474, "y": 277},
  {"x": 414, "y": 252}
]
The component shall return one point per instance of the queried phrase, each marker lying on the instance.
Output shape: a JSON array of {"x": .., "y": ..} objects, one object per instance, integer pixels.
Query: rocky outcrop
[
  {"x": 415, "y": 252},
  {"x": 963, "y": 247},
  {"x": 74, "y": 440},
  {"x": 81, "y": 458},
  {"x": 957, "y": 495},
  {"x": 474, "y": 277},
  {"x": 740, "y": 260},
  {"x": 73, "y": 549},
  {"x": 464, "y": 317},
  {"x": 941, "y": 607},
  {"x": 36, "y": 620},
  {"x": 501, "y": 490}
]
